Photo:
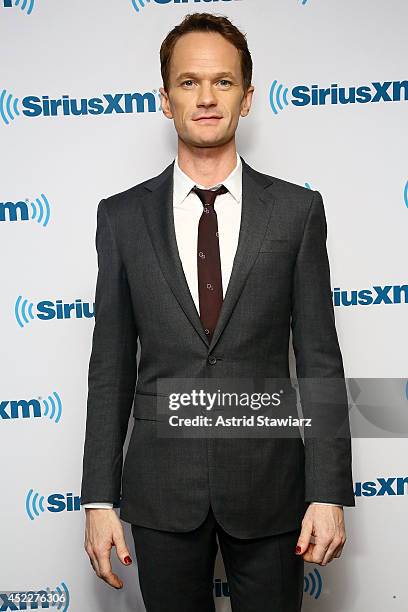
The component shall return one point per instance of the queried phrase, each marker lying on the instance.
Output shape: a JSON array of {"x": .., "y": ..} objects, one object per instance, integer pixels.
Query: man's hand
[
  {"x": 104, "y": 530},
  {"x": 325, "y": 524}
]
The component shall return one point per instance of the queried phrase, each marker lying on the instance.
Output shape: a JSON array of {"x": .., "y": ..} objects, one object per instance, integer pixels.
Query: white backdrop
[{"x": 55, "y": 168}]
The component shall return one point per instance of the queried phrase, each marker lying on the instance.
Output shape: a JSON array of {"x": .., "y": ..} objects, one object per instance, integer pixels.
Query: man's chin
[{"x": 207, "y": 141}]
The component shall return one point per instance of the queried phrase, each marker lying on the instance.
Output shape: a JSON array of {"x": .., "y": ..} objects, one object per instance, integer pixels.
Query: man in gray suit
[{"x": 211, "y": 264}]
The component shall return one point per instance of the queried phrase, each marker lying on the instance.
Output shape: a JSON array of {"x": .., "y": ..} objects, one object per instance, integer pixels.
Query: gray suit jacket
[{"x": 280, "y": 281}]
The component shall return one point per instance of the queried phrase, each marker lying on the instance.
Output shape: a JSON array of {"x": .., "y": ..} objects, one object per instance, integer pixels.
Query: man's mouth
[{"x": 211, "y": 118}]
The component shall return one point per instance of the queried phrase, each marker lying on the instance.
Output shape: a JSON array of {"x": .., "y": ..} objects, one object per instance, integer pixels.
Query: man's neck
[{"x": 207, "y": 166}]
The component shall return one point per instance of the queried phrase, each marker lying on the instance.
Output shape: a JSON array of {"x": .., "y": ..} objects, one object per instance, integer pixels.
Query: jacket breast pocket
[{"x": 275, "y": 245}]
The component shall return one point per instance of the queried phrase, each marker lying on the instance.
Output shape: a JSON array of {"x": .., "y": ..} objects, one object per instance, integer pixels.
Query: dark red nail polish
[
  {"x": 127, "y": 560},
  {"x": 298, "y": 549}
]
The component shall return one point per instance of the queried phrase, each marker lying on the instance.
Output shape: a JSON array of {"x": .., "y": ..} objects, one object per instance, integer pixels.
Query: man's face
[{"x": 205, "y": 97}]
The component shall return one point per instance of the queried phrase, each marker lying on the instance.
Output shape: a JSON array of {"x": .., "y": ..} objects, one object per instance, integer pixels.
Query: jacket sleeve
[
  {"x": 112, "y": 371},
  {"x": 319, "y": 368}
]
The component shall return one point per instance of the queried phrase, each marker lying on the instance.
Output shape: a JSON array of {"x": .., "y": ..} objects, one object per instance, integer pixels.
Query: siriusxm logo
[
  {"x": 389, "y": 294},
  {"x": 303, "y": 95},
  {"x": 312, "y": 585},
  {"x": 24, "y": 5},
  {"x": 381, "y": 487},
  {"x": 46, "y": 310},
  {"x": 138, "y": 5},
  {"x": 50, "y": 407},
  {"x": 108, "y": 104},
  {"x": 33, "y": 600},
  {"x": 37, "y": 210},
  {"x": 55, "y": 502}
]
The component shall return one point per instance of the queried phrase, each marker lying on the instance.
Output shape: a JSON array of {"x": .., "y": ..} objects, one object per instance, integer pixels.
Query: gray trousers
[{"x": 176, "y": 570}]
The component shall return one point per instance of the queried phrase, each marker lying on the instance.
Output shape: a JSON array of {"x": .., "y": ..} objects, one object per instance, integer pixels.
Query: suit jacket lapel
[
  {"x": 158, "y": 213},
  {"x": 257, "y": 206},
  {"x": 256, "y": 210}
]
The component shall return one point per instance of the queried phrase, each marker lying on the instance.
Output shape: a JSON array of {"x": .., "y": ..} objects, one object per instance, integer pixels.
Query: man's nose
[{"x": 206, "y": 95}]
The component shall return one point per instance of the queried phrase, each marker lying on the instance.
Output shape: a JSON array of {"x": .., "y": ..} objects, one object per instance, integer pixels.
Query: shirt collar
[{"x": 183, "y": 183}]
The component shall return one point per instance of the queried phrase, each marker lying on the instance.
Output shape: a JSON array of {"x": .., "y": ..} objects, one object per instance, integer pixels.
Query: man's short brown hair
[{"x": 206, "y": 22}]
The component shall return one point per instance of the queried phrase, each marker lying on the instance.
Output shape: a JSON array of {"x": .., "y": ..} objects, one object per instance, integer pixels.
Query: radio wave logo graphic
[
  {"x": 62, "y": 602},
  {"x": 303, "y": 2},
  {"x": 406, "y": 194},
  {"x": 52, "y": 407},
  {"x": 55, "y": 598},
  {"x": 307, "y": 185},
  {"x": 40, "y": 210},
  {"x": 25, "y": 5},
  {"x": 23, "y": 311},
  {"x": 8, "y": 107},
  {"x": 34, "y": 504},
  {"x": 278, "y": 97},
  {"x": 139, "y": 4},
  {"x": 313, "y": 580}
]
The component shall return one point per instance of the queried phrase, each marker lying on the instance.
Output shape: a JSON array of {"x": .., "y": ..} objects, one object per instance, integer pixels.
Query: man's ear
[
  {"x": 165, "y": 103},
  {"x": 247, "y": 101}
]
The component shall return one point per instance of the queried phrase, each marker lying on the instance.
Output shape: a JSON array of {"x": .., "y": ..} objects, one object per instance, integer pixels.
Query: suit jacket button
[{"x": 212, "y": 360}]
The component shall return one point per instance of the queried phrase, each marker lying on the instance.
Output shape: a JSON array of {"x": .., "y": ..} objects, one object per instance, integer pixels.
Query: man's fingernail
[
  {"x": 127, "y": 560},
  {"x": 298, "y": 549}
]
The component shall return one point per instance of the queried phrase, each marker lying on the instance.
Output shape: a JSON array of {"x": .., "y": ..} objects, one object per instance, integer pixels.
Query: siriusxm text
[
  {"x": 17, "y": 409},
  {"x": 381, "y": 487},
  {"x": 387, "y": 294},
  {"x": 389, "y": 91},
  {"x": 47, "y": 310},
  {"x": 14, "y": 211},
  {"x": 107, "y": 104}
]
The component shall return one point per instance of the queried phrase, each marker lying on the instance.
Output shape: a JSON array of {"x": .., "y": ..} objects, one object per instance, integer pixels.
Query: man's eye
[{"x": 224, "y": 82}]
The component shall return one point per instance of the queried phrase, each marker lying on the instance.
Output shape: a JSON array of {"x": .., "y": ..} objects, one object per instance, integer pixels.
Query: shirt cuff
[
  {"x": 105, "y": 505},
  {"x": 327, "y": 504}
]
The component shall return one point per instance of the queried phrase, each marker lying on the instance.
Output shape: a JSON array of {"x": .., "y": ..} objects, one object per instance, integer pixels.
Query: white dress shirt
[{"x": 187, "y": 210}]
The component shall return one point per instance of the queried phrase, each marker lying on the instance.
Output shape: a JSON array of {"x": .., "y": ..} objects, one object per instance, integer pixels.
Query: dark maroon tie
[{"x": 208, "y": 261}]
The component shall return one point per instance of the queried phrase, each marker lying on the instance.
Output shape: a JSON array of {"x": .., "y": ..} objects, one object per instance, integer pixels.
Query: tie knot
[{"x": 207, "y": 196}]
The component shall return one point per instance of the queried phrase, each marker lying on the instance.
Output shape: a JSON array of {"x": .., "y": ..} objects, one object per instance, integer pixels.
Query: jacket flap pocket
[{"x": 149, "y": 407}]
